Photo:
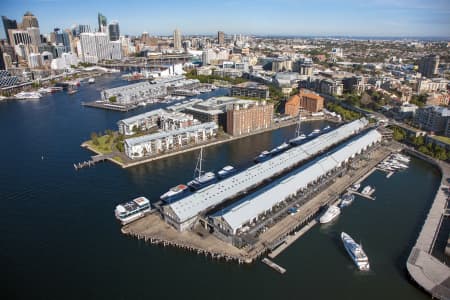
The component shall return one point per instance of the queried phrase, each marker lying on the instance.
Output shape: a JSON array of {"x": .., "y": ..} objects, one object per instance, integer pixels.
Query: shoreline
[{"x": 210, "y": 143}]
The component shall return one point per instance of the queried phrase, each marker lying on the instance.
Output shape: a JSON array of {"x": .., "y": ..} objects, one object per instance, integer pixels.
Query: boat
[
  {"x": 356, "y": 187},
  {"x": 71, "y": 91},
  {"x": 175, "y": 193},
  {"x": 201, "y": 180},
  {"x": 367, "y": 190},
  {"x": 133, "y": 210},
  {"x": 356, "y": 252},
  {"x": 298, "y": 140},
  {"x": 314, "y": 133},
  {"x": 283, "y": 147},
  {"x": 54, "y": 89},
  {"x": 326, "y": 128},
  {"x": 91, "y": 80},
  {"x": 226, "y": 172},
  {"x": 142, "y": 103},
  {"x": 347, "y": 199},
  {"x": 28, "y": 95},
  {"x": 265, "y": 155},
  {"x": 330, "y": 214},
  {"x": 44, "y": 91}
]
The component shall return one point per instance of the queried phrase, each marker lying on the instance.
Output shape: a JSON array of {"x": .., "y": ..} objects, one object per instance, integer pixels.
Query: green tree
[
  {"x": 112, "y": 99},
  {"x": 94, "y": 138}
]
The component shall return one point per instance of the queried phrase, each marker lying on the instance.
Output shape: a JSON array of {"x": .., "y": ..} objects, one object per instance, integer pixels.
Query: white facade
[
  {"x": 177, "y": 39},
  {"x": 135, "y": 93},
  {"x": 167, "y": 140},
  {"x": 116, "y": 50},
  {"x": 94, "y": 46},
  {"x": 34, "y": 60}
]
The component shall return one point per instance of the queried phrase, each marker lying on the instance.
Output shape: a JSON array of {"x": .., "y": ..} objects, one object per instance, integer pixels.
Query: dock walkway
[
  {"x": 273, "y": 265},
  {"x": 430, "y": 273}
]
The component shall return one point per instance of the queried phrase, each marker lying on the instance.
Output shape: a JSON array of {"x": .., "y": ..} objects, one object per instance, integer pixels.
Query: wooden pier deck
[
  {"x": 274, "y": 266},
  {"x": 429, "y": 272}
]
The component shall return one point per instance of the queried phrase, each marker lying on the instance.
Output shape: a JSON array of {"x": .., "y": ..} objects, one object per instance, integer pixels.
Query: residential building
[
  {"x": 250, "y": 89},
  {"x": 425, "y": 85},
  {"x": 94, "y": 47},
  {"x": 432, "y": 118},
  {"x": 155, "y": 143},
  {"x": 428, "y": 65},
  {"x": 177, "y": 39},
  {"x": 115, "y": 50},
  {"x": 34, "y": 60},
  {"x": 221, "y": 38},
  {"x": 305, "y": 100},
  {"x": 438, "y": 99},
  {"x": 249, "y": 117}
]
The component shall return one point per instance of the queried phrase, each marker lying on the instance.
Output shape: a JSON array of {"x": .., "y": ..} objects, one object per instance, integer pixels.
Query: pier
[
  {"x": 426, "y": 270},
  {"x": 90, "y": 163},
  {"x": 279, "y": 235},
  {"x": 274, "y": 266}
]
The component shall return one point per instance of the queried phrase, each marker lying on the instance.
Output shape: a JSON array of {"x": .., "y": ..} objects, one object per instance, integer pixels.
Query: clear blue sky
[{"x": 288, "y": 17}]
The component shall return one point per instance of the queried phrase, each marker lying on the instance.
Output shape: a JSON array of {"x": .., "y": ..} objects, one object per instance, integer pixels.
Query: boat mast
[
  {"x": 298, "y": 131},
  {"x": 198, "y": 167}
]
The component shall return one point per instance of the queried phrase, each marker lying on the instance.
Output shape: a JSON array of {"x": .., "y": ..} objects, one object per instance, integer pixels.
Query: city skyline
[{"x": 379, "y": 18}]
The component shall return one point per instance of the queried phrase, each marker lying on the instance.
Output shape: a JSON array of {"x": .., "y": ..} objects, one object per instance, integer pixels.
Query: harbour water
[{"x": 59, "y": 238}]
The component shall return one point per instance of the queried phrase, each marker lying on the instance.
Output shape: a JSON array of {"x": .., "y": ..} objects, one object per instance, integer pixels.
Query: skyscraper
[
  {"x": 94, "y": 47},
  {"x": 101, "y": 22},
  {"x": 177, "y": 39},
  {"x": 428, "y": 65},
  {"x": 114, "y": 32},
  {"x": 8, "y": 24},
  {"x": 221, "y": 38},
  {"x": 35, "y": 36},
  {"x": 29, "y": 20},
  {"x": 62, "y": 38}
]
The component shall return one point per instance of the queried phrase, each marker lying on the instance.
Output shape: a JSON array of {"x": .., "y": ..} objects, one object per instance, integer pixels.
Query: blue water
[{"x": 60, "y": 240}]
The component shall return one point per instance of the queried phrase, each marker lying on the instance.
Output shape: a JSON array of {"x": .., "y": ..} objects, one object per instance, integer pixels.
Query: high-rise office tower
[
  {"x": 29, "y": 20},
  {"x": 113, "y": 30},
  {"x": 35, "y": 36},
  {"x": 62, "y": 38},
  {"x": 94, "y": 46},
  {"x": 8, "y": 24},
  {"x": 428, "y": 65},
  {"x": 177, "y": 39},
  {"x": 101, "y": 23},
  {"x": 221, "y": 38}
]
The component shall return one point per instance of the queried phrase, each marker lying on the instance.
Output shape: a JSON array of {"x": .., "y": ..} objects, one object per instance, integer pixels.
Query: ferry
[
  {"x": 330, "y": 214},
  {"x": 265, "y": 155},
  {"x": 133, "y": 210},
  {"x": 91, "y": 80},
  {"x": 28, "y": 95},
  {"x": 175, "y": 193},
  {"x": 44, "y": 91},
  {"x": 356, "y": 252},
  {"x": 347, "y": 199},
  {"x": 226, "y": 172},
  {"x": 283, "y": 147}
]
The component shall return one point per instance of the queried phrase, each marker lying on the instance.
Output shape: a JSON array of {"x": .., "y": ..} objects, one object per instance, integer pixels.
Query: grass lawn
[{"x": 104, "y": 145}]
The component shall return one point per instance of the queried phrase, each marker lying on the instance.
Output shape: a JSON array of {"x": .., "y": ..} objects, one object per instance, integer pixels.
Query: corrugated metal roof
[
  {"x": 192, "y": 205},
  {"x": 257, "y": 203}
]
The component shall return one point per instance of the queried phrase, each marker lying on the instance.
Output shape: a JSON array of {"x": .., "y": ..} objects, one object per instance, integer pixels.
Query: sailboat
[
  {"x": 299, "y": 136},
  {"x": 201, "y": 179}
]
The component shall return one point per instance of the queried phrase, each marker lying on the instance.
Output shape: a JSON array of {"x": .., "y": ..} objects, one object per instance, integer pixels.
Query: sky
[{"x": 372, "y": 18}]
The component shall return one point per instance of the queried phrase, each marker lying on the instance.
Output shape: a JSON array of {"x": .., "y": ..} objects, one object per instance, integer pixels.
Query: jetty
[
  {"x": 274, "y": 266},
  {"x": 90, "y": 163},
  {"x": 425, "y": 269}
]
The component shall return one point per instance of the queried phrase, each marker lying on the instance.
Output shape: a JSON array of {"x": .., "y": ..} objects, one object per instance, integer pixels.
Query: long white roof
[
  {"x": 136, "y": 118},
  {"x": 210, "y": 196},
  {"x": 253, "y": 205}
]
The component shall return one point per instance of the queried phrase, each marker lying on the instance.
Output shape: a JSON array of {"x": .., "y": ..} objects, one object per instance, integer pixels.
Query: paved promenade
[{"x": 425, "y": 269}]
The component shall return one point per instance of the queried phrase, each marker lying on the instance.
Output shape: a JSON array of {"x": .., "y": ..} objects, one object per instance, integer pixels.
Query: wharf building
[
  {"x": 247, "y": 118},
  {"x": 250, "y": 89},
  {"x": 158, "y": 118},
  {"x": 305, "y": 100},
  {"x": 184, "y": 213},
  {"x": 238, "y": 217},
  {"x": 163, "y": 141},
  {"x": 134, "y": 93}
]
